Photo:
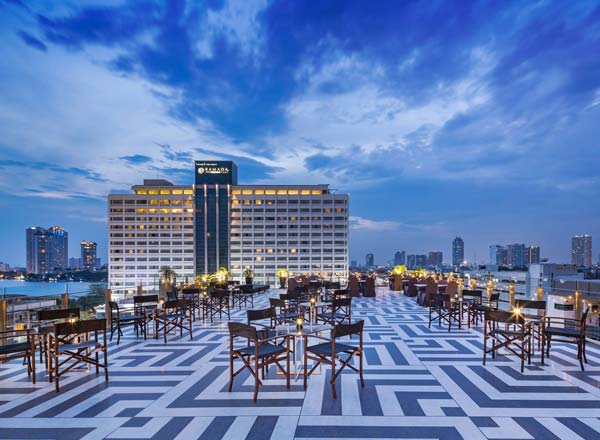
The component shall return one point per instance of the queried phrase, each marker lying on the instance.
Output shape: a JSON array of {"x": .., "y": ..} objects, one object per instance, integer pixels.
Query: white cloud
[{"x": 373, "y": 225}]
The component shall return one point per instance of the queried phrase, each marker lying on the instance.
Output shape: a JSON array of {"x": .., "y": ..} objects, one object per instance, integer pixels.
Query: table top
[
  {"x": 307, "y": 329},
  {"x": 317, "y": 304}
]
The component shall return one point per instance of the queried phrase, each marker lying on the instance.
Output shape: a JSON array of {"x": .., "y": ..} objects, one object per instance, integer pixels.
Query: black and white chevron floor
[{"x": 420, "y": 383}]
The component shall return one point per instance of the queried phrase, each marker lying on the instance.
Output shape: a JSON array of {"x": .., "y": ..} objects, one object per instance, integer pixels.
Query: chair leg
[
  {"x": 360, "y": 368},
  {"x": 305, "y": 362},
  {"x": 230, "y": 371},
  {"x": 580, "y": 353},
  {"x": 255, "y": 379},
  {"x": 333, "y": 378}
]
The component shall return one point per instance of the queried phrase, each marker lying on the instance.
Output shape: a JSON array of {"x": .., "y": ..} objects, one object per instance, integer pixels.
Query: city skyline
[{"x": 432, "y": 128}]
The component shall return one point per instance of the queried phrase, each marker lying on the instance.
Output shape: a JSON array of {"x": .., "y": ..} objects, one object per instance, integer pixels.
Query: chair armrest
[{"x": 549, "y": 319}]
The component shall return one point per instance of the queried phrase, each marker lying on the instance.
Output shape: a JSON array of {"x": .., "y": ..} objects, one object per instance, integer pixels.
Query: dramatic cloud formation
[{"x": 446, "y": 118}]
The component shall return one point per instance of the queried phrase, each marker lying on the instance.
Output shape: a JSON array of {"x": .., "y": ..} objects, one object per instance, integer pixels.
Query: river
[{"x": 41, "y": 288}]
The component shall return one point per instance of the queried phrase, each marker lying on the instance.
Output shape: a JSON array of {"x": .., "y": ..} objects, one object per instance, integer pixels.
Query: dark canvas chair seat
[
  {"x": 563, "y": 331},
  {"x": 14, "y": 348},
  {"x": 264, "y": 350},
  {"x": 325, "y": 348}
]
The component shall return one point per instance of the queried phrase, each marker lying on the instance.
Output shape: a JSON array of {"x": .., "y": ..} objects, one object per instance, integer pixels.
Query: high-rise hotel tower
[{"x": 216, "y": 223}]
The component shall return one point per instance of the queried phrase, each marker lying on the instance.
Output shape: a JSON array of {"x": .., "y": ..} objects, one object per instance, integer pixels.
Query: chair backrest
[
  {"x": 340, "y": 330},
  {"x": 246, "y": 288},
  {"x": 437, "y": 299},
  {"x": 341, "y": 302},
  {"x": 431, "y": 286},
  {"x": 190, "y": 290},
  {"x": 49, "y": 315},
  {"x": 80, "y": 326},
  {"x": 291, "y": 284},
  {"x": 291, "y": 296},
  {"x": 141, "y": 299},
  {"x": 238, "y": 329},
  {"x": 260, "y": 314},
  {"x": 277, "y": 302},
  {"x": 527, "y": 304},
  {"x": 177, "y": 304},
  {"x": 472, "y": 293},
  {"x": 340, "y": 292},
  {"x": 171, "y": 295},
  {"x": 452, "y": 288},
  {"x": 220, "y": 293},
  {"x": 503, "y": 316}
]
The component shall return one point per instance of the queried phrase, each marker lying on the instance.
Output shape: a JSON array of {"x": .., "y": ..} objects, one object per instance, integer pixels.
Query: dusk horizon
[{"x": 470, "y": 119}]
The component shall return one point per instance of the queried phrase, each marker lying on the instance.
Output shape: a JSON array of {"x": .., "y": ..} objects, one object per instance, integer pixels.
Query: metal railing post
[
  {"x": 540, "y": 294},
  {"x": 3, "y": 318},
  {"x": 578, "y": 311},
  {"x": 65, "y": 300},
  {"x": 511, "y": 294},
  {"x": 107, "y": 309}
]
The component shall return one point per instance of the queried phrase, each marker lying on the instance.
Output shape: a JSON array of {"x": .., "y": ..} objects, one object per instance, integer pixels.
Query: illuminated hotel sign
[
  {"x": 213, "y": 170},
  {"x": 216, "y": 172}
]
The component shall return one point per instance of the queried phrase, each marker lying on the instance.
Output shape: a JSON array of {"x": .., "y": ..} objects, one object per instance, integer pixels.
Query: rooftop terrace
[{"x": 419, "y": 383}]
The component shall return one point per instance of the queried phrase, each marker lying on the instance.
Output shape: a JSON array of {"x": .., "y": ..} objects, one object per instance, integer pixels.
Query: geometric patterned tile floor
[{"x": 419, "y": 383}]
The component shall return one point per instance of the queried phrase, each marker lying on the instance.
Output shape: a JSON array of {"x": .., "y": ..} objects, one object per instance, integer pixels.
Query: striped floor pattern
[{"x": 419, "y": 383}]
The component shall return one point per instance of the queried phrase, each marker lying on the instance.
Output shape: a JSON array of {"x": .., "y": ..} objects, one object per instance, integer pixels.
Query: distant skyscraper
[
  {"x": 74, "y": 263},
  {"x": 496, "y": 255},
  {"x": 581, "y": 250},
  {"x": 411, "y": 261},
  {"x": 421, "y": 261},
  {"x": 435, "y": 259},
  {"x": 458, "y": 251},
  {"x": 532, "y": 255},
  {"x": 370, "y": 260},
  {"x": 353, "y": 263},
  {"x": 88, "y": 255},
  {"x": 400, "y": 258},
  {"x": 516, "y": 254},
  {"x": 47, "y": 250}
]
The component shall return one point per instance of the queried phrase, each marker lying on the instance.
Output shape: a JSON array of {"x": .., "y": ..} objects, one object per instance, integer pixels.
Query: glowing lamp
[{"x": 299, "y": 322}]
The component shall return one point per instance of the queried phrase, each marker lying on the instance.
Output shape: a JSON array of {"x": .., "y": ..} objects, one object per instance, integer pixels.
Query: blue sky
[{"x": 478, "y": 119}]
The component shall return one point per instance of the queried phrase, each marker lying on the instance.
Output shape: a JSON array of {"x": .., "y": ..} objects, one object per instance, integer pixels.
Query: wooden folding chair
[
  {"x": 330, "y": 352},
  {"x": 19, "y": 344},
  {"x": 567, "y": 330},
  {"x": 77, "y": 341},
  {"x": 443, "y": 309},
  {"x": 117, "y": 321},
  {"x": 174, "y": 315},
  {"x": 257, "y": 354},
  {"x": 507, "y": 330}
]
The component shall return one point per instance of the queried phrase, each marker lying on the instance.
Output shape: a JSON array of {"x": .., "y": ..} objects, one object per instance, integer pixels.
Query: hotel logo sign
[
  {"x": 215, "y": 172},
  {"x": 212, "y": 169}
]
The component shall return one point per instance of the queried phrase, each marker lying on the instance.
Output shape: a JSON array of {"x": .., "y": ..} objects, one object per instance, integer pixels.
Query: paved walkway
[{"x": 420, "y": 383}]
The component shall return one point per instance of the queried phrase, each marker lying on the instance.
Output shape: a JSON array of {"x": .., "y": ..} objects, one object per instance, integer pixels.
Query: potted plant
[
  {"x": 249, "y": 275},
  {"x": 283, "y": 275}
]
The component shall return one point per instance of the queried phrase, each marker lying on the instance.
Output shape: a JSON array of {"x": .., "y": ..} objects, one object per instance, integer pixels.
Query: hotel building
[
  {"x": 216, "y": 223},
  {"x": 150, "y": 229}
]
